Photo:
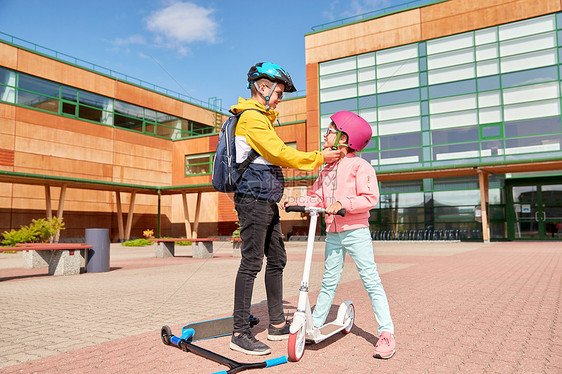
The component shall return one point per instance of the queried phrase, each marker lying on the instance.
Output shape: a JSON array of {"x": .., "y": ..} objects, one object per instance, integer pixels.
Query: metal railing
[{"x": 376, "y": 13}]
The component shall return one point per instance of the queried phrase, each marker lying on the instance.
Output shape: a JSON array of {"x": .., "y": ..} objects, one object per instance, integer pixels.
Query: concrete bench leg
[
  {"x": 236, "y": 249},
  {"x": 202, "y": 249},
  {"x": 64, "y": 263},
  {"x": 164, "y": 249},
  {"x": 36, "y": 259}
]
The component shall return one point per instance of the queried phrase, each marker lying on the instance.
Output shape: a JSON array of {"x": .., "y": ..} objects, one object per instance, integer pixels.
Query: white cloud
[
  {"x": 133, "y": 39},
  {"x": 182, "y": 23}
]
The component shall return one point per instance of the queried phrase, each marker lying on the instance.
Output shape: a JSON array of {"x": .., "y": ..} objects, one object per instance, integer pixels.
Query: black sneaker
[
  {"x": 248, "y": 344},
  {"x": 278, "y": 333}
]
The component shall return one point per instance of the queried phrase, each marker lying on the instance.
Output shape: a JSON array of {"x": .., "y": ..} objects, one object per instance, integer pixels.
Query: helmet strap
[
  {"x": 268, "y": 95},
  {"x": 337, "y": 142}
]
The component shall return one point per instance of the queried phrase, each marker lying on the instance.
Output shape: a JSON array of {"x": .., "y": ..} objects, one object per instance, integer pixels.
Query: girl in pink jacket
[{"x": 350, "y": 183}]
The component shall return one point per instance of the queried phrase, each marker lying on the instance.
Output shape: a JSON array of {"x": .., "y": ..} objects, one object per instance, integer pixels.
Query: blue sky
[{"x": 198, "y": 48}]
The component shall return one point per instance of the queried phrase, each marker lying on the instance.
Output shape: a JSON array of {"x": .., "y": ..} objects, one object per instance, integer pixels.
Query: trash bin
[{"x": 98, "y": 256}]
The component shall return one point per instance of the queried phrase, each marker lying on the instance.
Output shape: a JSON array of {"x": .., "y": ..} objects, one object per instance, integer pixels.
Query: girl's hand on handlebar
[{"x": 334, "y": 208}]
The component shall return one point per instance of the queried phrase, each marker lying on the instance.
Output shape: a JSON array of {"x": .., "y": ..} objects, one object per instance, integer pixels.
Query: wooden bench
[
  {"x": 201, "y": 247},
  {"x": 60, "y": 258}
]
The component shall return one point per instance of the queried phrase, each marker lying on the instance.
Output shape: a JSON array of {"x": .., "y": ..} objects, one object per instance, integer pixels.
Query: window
[{"x": 200, "y": 164}]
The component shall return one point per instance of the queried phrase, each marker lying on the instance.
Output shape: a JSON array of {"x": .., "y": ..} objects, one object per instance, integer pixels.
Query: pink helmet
[{"x": 358, "y": 130}]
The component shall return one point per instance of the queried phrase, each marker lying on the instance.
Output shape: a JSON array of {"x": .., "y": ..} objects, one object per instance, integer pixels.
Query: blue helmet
[{"x": 272, "y": 72}]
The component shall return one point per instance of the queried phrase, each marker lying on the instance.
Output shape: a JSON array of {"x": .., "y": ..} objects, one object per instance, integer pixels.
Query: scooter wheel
[
  {"x": 297, "y": 342},
  {"x": 165, "y": 334},
  {"x": 349, "y": 318}
]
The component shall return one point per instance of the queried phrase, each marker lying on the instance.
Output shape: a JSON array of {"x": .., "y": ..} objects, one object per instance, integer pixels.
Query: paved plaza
[{"x": 457, "y": 308}]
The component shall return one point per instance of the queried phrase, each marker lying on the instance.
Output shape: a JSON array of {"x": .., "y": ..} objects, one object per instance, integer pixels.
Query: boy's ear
[{"x": 343, "y": 138}]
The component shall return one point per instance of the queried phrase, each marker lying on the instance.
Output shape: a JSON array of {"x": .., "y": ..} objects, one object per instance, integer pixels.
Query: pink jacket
[{"x": 351, "y": 181}]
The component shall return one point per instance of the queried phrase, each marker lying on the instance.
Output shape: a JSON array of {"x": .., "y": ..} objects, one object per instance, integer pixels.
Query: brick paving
[{"x": 457, "y": 307}]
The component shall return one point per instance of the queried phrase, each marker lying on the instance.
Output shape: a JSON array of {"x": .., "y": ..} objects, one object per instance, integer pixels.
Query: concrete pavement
[{"x": 457, "y": 307}]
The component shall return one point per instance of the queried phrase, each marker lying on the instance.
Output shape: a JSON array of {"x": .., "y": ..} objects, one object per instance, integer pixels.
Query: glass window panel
[
  {"x": 90, "y": 114},
  {"x": 452, "y": 58},
  {"x": 367, "y": 88},
  {"x": 455, "y": 119},
  {"x": 366, "y": 74},
  {"x": 398, "y": 83},
  {"x": 150, "y": 115},
  {"x": 372, "y": 144},
  {"x": 528, "y": 44},
  {"x": 396, "y": 54},
  {"x": 527, "y": 27},
  {"x": 456, "y": 151},
  {"x": 38, "y": 85},
  {"x": 128, "y": 109},
  {"x": 453, "y": 103},
  {"x": 7, "y": 84},
  {"x": 339, "y": 79},
  {"x": 529, "y": 76},
  {"x": 484, "y": 36},
  {"x": 528, "y": 61},
  {"x": 400, "y": 141},
  {"x": 127, "y": 122},
  {"x": 369, "y": 115},
  {"x": 38, "y": 101},
  {"x": 531, "y": 93},
  {"x": 534, "y": 144},
  {"x": 491, "y": 131},
  {"x": 397, "y": 97},
  {"x": 490, "y": 115},
  {"x": 492, "y": 148},
  {"x": 455, "y": 183},
  {"x": 324, "y": 122},
  {"x": 397, "y": 68},
  {"x": 487, "y": 68},
  {"x": 335, "y": 106},
  {"x": 399, "y": 126},
  {"x": 93, "y": 100},
  {"x": 69, "y": 93},
  {"x": 399, "y": 111},
  {"x": 367, "y": 101},
  {"x": 456, "y": 198},
  {"x": 342, "y": 64},
  {"x": 401, "y": 186},
  {"x": 401, "y": 156},
  {"x": 491, "y": 98},
  {"x": 488, "y": 83},
  {"x": 402, "y": 200},
  {"x": 532, "y": 127},
  {"x": 462, "y": 134},
  {"x": 486, "y": 52},
  {"x": 451, "y": 74},
  {"x": 532, "y": 110},
  {"x": 337, "y": 93},
  {"x": 197, "y": 164},
  {"x": 367, "y": 59},
  {"x": 451, "y": 89},
  {"x": 68, "y": 108},
  {"x": 449, "y": 43}
]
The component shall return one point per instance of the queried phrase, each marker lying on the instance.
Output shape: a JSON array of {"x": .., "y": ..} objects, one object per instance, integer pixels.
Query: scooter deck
[
  {"x": 325, "y": 332},
  {"x": 211, "y": 329}
]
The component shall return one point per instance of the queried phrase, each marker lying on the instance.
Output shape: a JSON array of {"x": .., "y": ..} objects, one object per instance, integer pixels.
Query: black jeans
[{"x": 260, "y": 230}]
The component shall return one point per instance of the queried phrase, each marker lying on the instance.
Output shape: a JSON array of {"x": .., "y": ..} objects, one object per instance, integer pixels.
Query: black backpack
[{"x": 226, "y": 173}]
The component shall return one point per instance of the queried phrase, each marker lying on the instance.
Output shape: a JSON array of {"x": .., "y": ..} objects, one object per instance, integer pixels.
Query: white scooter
[{"x": 302, "y": 328}]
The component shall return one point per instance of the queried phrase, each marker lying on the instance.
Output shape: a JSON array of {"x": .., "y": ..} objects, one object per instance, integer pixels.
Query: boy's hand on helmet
[{"x": 331, "y": 155}]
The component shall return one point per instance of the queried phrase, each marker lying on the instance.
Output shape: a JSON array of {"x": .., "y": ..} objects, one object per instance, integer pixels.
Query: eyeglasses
[
  {"x": 330, "y": 130},
  {"x": 279, "y": 95}
]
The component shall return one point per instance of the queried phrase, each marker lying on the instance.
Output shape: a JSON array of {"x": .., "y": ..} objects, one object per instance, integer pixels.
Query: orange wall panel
[{"x": 8, "y": 56}]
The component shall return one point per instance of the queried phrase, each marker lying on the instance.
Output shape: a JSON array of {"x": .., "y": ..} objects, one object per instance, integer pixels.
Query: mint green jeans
[{"x": 359, "y": 245}]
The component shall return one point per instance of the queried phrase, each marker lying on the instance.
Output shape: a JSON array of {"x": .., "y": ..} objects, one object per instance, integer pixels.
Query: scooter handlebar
[{"x": 303, "y": 209}]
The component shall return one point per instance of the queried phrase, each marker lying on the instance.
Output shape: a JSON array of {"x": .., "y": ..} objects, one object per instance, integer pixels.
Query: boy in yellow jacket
[{"x": 258, "y": 192}]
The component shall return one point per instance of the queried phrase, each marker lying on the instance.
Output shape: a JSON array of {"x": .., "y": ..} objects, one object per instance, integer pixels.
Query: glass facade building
[{"x": 488, "y": 96}]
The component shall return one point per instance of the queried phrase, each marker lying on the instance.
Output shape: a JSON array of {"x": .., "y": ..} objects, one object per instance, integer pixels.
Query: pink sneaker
[{"x": 386, "y": 346}]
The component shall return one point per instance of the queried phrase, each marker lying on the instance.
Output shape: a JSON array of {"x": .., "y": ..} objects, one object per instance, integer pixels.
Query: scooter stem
[{"x": 309, "y": 249}]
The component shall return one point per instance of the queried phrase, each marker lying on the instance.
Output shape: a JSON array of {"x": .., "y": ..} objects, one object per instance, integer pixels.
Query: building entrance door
[{"x": 534, "y": 210}]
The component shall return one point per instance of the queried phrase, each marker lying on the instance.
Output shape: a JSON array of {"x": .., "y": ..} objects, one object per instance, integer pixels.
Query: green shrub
[
  {"x": 39, "y": 230},
  {"x": 136, "y": 243}
]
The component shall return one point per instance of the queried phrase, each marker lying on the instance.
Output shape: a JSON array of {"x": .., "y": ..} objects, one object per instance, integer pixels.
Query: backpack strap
[{"x": 251, "y": 156}]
